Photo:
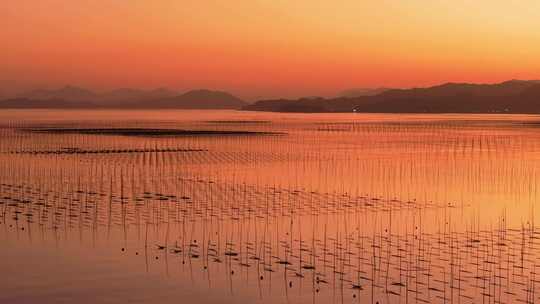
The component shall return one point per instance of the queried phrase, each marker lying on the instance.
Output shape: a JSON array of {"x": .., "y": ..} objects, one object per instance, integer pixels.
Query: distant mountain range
[
  {"x": 75, "y": 97},
  {"x": 68, "y": 93},
  {"x": 514, "y": 96}
]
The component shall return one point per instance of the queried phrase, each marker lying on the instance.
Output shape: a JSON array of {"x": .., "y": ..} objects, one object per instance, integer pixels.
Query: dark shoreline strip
[
  {"x": 116, "y": 151},
  {"x": 149, "y": 132}
]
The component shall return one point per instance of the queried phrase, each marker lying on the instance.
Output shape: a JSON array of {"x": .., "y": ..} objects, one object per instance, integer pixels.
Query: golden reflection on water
[{"x": 311, "y": 208}]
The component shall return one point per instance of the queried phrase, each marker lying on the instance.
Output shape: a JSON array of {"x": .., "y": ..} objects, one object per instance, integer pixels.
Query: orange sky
[{"x": 266, "y": 48}]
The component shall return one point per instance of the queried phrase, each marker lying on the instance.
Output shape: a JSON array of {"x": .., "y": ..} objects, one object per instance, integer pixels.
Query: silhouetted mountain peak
[
  {"x": 209, "y": 95},
  {"x": 357, "y": 92},
  {"x": 200, "y": 99}
]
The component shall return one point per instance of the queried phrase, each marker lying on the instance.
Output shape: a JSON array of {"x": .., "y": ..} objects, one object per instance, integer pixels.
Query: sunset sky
[{"x": 265, "y": 48}]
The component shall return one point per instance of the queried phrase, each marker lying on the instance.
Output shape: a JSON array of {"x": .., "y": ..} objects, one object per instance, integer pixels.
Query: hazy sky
[{"x": 266, "y": 48}]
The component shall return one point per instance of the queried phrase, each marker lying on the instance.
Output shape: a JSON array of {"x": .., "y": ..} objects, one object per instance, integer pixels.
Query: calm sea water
[{"x": 243, "y": 207}]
